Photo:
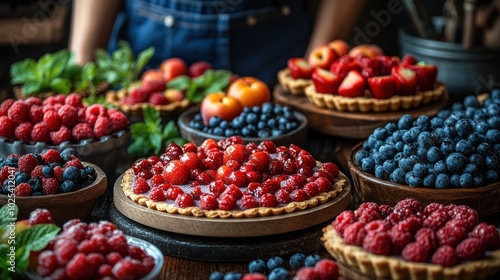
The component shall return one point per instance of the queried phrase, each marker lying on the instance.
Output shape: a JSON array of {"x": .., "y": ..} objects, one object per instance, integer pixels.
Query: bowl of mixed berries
[
  {"x": 453, "y": 157},
  {"x": 63, "y": 121},
  {"x": 60, "y": 182}
]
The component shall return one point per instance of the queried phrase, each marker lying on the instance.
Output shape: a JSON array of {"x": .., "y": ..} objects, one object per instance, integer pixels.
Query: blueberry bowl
[
  {"x": 367, "y": 187},
  {"x": 295, "y": 136},
  {"x": 77, "y": 204}
]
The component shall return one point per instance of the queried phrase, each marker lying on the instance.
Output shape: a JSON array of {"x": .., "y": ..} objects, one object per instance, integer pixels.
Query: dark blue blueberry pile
[
  {"x": 274, "y": 268},
  {"x": 64, "y": 168},
  {"x": 458, "y": 148},
  {"x": 268, "y": 120}
]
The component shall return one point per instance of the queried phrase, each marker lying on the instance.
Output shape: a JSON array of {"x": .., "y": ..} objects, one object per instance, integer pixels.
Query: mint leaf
[
  {"x": 142, "y": 59},
  {"x": 37, "y": 237},
  {"x": 151, "y": 115},
  {"x": 170, "y": 130},
  {"x": 58, "y": 63},
  {"x": 23, "y": 71},
  {"x": 157, "y": 142},
  {"x": 22, "y": 259},
  {"x": 61, "y": 85},
  {"x": 180, "y": 83},
  {"x": 139, "y": 148},
  {"x": 8, "y": 213},
  {"x": 139, "y": 129},
  {"x": 32, "y": 87}
]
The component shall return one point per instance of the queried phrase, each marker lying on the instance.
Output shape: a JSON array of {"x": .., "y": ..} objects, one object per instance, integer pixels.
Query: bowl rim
[
  {"x": 430, "y": 191},
  {"x": 152, "y": 251},
  {"x": 188, "y": 114},
  {"x": 98, "y": 187}
]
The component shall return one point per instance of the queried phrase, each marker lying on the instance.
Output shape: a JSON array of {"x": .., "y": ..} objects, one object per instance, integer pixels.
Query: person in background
[{"x": 248, "y": 37}]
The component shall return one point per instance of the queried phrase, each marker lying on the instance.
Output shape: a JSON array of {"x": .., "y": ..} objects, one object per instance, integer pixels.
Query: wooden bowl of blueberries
[
  {"x": 417, "y": 158},
  {"x": 277, "y": 123},
  {"x": 68, "y": 191}
]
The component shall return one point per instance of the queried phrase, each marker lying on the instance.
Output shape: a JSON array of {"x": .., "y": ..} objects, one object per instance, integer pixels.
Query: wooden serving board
[
  {"x": 219, "y": 227},
  {"x": 349, "y": 124}
]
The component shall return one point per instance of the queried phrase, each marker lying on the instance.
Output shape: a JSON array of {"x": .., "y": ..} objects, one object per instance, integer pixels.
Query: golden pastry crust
[
  {"x": 114, "y": 98},
  {"x": 368, "y": 104},
  {"x": 293, "y": 86},
  {"x": 388, "y": 267},
  {"x": 142, "y": 199}
]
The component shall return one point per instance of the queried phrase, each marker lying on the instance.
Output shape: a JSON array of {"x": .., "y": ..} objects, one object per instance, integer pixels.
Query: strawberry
[
  {"x": 408, "y": 60},
  {"x": 382, "y": 87},
  {"x": 325, "y": 81},
  {"x": 299, "y": 68},
  {"x": 353, "y": 85},
  {"x": 406, "y": 80},
  {"x": 426, "y": 76},
  {"x": 198, "y": 68},
  {"x": 344, "y": 65}
]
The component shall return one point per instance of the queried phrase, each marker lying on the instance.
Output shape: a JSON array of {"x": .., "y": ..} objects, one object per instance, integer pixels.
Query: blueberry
[
  {"x": 69, "y": 151},
  {"x": 36, "y": 194},
  {"x": 53, "y": 164},
  {"x": 256, "y": 110},
  {"x": 82, "y": 176},
  {"x": 455, "y": 162},
  {"x": 238, "y": 122},
  {"x": 12, "y": 162},
  {"x": 276, "y": 133},
  {"x": 377, "y": 158},
  {"x": 247, "y": 110},
  {"x": 405, "y": 122},
  {"x": 457, "y": 115},
  {"x": 311, "y": 260},
  {"x": 279, "y": 273},
  {"x": 455, "y": 181},
  {"x": 90, "y": 171},
  {"x": 475, "y": 139},
  {"x": 406, "y": 164},
  {"x": 447, "y": 147},
  {"x": 233, "y": 275},
  {"x": 411, "y": 135},
  {"x": 263, "y": 134},
  {"x": 389, "y": 165},
  {"x": 66, "y": 158},
  {"x": 6, "y": 187},
  {"x": 36, "y": 184},
  {"x": 420, "y": 169},
  {"x": 449, "y": 131},
  {"x": 442, "y": 181},
  {"x": 196, "y": 125},
  {"x": 440, "y": 167},
  {"x": 471, "y": 101},
  {"x": 410, "y": 149},
  {"x": 368, "y": 164},
  {"x": 268, "y": 108},
  {"x": 214, "y": 121},
  {"x": 22, "y": 178},
  {"x": 492, "y": 162},
  {"x": 47, "y": 171},
  {"x": 433, "y": 154},
  {"x": 258, "y": 265},
  {"x": 71, "y": 173},
  {"x": 399, "y": 146},
  {"x": 261, "y": 125},
  {"x": 471, "y": 169},
  {"x": 197, "y": 117},
  {"x": 398, "y": 135},
  {"x": 361, "y": 154},
  {"x": 251, "y": 118},
  {"x": 494, "y": 122},
  {"x": 438, "y": 135},
  {"x": 216, "y": 275},
  {"x": 297, "y": 260},
  {"x": 429, "y": 181},
  {"x": 412, "y": 179},
  {"x": 470, "y": 112},
  {"x": 464, "y": 147},
  {"x": 457, "y": 107},
  {"x": 443, "y": 114},
  {"x": 482, "y": 127},
  {"x": 423, "y": 122},
  {"x": 495, "y": 94},
  {"x": 463, "y": 127},
  {"x": 229, "y": 132},
  {"x": 278, "y": 109},
  {"x": 477, "y": 160},
  {"x": 68, "y": 186},
  {"x": 218, "y": 131},
  {"x": 437, "y": 122},
  {"x": 224, "y": 124},
  {"x": 265, "y": 118},
  {"x": 272, "y": 123},
  {"x": 380, "y": 133},
  {"x": 466, "y": 180},
  {"x": 275, "y": 262},
  {"x": 492, "y": 176}
]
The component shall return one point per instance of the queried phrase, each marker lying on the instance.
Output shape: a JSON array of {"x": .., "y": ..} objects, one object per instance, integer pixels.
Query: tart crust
[
  {"x": 294, "y": 86},
  {"x": 114, "y": 98},
  {"x": 388, "y": 267},
  {"x": 369, "y": 104},
  {"x": 143, "y": 200}
]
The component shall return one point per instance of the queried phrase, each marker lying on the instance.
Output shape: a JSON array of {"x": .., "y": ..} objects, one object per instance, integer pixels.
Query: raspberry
[
  {"x": 118, "y": 121},
  {"x": 488, "y": 234},
  {"x": 299, "y": 195},
  {"x": 326, "y": 269},
  {"x": 377, "y": 242},
  {"x": 73, "y": 99},
  {"x": 50, "y": 186},
  {"x": 23, "y": 131},
  {"x": 305, "y": 273},
  {"x": 234, "y": 191},
  {"x": 140, "y": 186},
  {"x": 37, "y": 172},
  {"x": 311, "y": 189},
  {"x": 331, "y": 168},
  {"x": 149, "y": 88},
  {"x": 248, "y": 202},
  {"x": 65, "y": 249},
  {"x": 47, "y": 263},
  {"x": 368, "y": 207},
  {"x": 157, "y": 194},
  {"x": 276, "y": 167},
  {"x": 254, "y": 276},
  {"x": 69, "y": 115},
  {"x": 268, "y": 200},
  {"x": 78, "y": 267},
  {"x": 58, "y": 274},
  {"x": 343, "y": 220},
  {"x": 451, "y": 235},
  {"x": 198, "y": 68},
  {"x": 118, "y": 243},
  {"x": 125, "y": 269},
  {"x": 436, "y": 219},
  {"x": 102, "y": 127},
  {"x": 323, "y": 184},
  {"x": 377, "y": 225},
  {"x": 176, "y": 172},
  {"x": 466, "y": 214},
  {"x": 61, "y": 135},
  {"x": 18, "y": 112},
  {"x": 82, "y": 131},
  {"x": 51, "y": 155},
  {"x": 58, "y": 173},
  {"x": 227, "y": 202},
  {"x": 411, "y": 224},
  {"x": 7, "y": 127},
  {"x": 445, "y": 256},
  {"x": 59, "y": 98},
  {"x": 414, "y": 252},
  {"x": 40, "y": 133},
  {"x": 385, "y": 210},
  {"x": 208, "y": 202},
  {"x": 283, "y": 197},
  {"x": 137, "y": 95},
  {"x": 184, "y": 200},
  {"x": 96, "y": 259},
  {"x": 52, "y": 120},
  {"x": 6, "y": 104},
  {"x": 23, "y": 189},
  {"x": 27, "y": 163},
  {"x": 74, "y": 162},
  {"x": 237, "y": 178},
  {"x": 100, "y": 242},
  {"x": 368, "y": 215},
  {"x": 93, "y": 112},
  {"x": 355, "y": 233},
  {"x": 470, "y": 249},
  {"x": 399, "y": 239},
  {"x": 426, "y": 237},
  {"x": 173, "y": 193},
  {"x": 414, "y": 205},
  {"x": 158, "y": 98},
  {"x": 432, "y": 207},
  {"x": 35, "y": 114}
]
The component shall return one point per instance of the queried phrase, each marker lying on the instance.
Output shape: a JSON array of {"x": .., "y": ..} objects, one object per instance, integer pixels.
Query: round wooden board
[
  {"x": 485, "y": 200},
  {"x": 217, "y": 227},
  {"x": 349, "y": 124}
]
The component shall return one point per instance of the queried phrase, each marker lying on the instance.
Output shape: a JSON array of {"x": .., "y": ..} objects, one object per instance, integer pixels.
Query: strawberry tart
[
  {"x": 412, "y": 241},
  {"x": 228, "y": 179}
]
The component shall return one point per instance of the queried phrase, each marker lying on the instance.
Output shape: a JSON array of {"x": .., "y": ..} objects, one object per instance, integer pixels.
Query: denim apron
[{"x": 248, "y": 37}]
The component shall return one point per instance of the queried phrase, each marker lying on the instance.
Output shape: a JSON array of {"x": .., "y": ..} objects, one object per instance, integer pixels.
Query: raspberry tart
[
  {"x": 412, "y": 241},
  {"x": 229, "y": 179}
]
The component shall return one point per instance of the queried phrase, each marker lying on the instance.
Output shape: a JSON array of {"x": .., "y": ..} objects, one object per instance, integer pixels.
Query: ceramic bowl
[
  {"x": 297, "y": 137},
  {"x": 63, "y": 206},
  {"x": 367, "y": 187}
]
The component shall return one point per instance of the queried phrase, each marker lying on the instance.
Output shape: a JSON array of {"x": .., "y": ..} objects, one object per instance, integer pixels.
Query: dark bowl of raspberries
[
  {"x": 60, "y": 182},
  {"x": 63, "y": 121},
  {"x": 280, "y": 124},
  {"x": 453, "y": 157}
]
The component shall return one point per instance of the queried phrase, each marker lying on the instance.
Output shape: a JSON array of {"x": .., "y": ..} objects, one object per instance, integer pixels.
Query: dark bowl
[
  {"x": 367, "y": 187},
  {"x": 297, "y": 136}
]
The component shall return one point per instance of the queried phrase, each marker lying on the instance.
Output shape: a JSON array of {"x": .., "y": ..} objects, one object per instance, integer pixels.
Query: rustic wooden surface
[{"x": 349, "y": 124}]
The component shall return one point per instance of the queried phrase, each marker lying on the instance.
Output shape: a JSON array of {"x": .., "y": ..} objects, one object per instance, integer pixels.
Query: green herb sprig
[{"x": 197, "y": 88}]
